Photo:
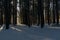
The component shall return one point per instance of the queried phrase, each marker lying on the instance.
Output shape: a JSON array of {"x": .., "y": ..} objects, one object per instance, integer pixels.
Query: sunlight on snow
[
  {"x": 1, "y": 28},
  {"x": 16, "y": 29}
]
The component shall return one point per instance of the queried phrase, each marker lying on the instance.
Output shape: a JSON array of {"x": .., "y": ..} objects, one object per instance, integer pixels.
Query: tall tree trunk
[
  {"x": 48, "y": 13},
  {"x": 1, "y": 13},
  {"x": 26, "y": 17},
  {"x": 57, "y": 14},
  {"x": 54, "y": 11},
  {"x": 21, "y": 10},
  {"x": 33, "y": 12},
  {"x": 14, "y": 12},
  {"x": 7, "y": 7},
  {"x": 1, "y": 16},
  {"x": 42, "y": 15},
  {"x": 40, "y": 12}
]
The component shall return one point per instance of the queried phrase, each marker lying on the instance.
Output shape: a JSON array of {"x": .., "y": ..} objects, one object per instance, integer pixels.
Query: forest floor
[{"x": 23, "y": 32}]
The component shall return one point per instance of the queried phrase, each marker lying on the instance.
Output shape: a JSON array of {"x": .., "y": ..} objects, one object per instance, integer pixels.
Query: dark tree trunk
[
  {"x": 7, "y": 7},
  {"x": 57, "y": 14},
  {"x": 33, "y": 11},
  {"x": 40, "y": 13},
  {"x": 54, "y": 11},
  {"x": 20, "y": 3},
  {"x": 1, "y": 16},
  {"x": 14, "y": 12},
  {"x": 48, "y": 13},
  {"x": 26, "y": 17},
  {"x": 1, "y": 12}
]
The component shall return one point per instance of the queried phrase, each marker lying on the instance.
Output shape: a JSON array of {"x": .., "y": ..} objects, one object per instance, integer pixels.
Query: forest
[{"x": 29, "y": 12}]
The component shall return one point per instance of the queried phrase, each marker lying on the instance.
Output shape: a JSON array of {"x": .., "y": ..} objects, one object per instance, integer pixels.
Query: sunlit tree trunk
[{"x": 21, "y": 11}]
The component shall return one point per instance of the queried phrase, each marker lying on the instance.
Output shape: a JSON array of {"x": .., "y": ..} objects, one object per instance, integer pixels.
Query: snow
[{"x": 26, "y": 33}]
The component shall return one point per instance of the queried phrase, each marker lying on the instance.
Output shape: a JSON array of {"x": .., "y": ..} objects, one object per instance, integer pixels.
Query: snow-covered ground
[{"x": 26, "y": 33}]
